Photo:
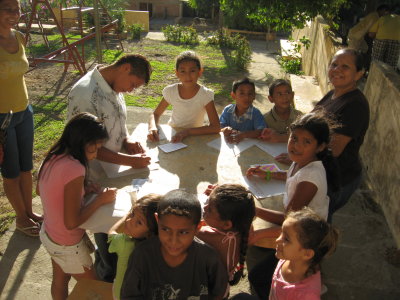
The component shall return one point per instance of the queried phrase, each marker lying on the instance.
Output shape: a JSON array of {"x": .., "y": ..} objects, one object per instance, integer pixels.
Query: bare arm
[
  {"x": 242, "y": 135},
  {"x": 302, "y": 196},
  {"x": 119, "y": 226},
  {"x": 154, "y": 120},
  {"x": 136, "y": 161},
  {"x": 213, "y": 127},
  {"x": 269, "y": 215},
  {"x": 338, "y": 143},
  {"x": 270, "y": 135},
  {"x": 256, "y": 171},
  {"x": 270, "y": 233},
  {"x": 74, "y": 213}
]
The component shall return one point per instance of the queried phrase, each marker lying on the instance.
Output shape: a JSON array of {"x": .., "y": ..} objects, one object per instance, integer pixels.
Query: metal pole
[{"x": 97, "y": 31}]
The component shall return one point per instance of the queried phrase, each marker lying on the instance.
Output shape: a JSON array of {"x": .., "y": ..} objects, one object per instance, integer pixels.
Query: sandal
[{"x": 30, "y": 230}]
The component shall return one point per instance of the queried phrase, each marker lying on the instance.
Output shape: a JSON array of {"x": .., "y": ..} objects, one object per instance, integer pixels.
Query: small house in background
[
  {"x": 159, "y": 8},
  {"x": 167, "y": 9}
]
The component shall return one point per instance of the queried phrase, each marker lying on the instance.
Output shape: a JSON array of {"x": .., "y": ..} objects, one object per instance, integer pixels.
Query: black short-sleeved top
[
  {"x": 351, "y": 110},
  {"x": 201, "y": 276}
]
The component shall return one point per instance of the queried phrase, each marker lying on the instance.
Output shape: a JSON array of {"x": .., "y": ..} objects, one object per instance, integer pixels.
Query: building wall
[
  {"x": 161, "y": 8},
  {"x": 137, "y": 17},
  {"x": 379, "y": 152},
  {"x": 316, "y": 59},
  {"x": 381, "y": 145}
]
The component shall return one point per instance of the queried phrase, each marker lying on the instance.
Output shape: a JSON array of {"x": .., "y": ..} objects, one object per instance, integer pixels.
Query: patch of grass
[
  {"x": 109, "y": 55},
  {"x": 6, "y": 218},
  {"x": 39, "y": 47},
  {"x": 137, "y": 100},
  {"x": 161, "y": 69},
  {"x": 49, "y": 120}
]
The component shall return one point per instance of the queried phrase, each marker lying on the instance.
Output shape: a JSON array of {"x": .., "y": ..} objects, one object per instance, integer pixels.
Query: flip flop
[{"x": 28, "y": 230}]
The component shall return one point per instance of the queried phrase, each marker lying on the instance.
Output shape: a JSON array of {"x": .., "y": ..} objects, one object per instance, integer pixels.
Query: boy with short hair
[
  {"x": 175, "y": 265},
  {"x": 241, "y": 119},
  {"x": 282, "y": 114}
]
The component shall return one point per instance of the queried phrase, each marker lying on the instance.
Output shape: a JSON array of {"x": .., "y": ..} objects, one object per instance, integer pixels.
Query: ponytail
[
  {"x": 239, "y": 269},
  {"x": 326, "y": 247},
  {"x": 331, "y": 167}
]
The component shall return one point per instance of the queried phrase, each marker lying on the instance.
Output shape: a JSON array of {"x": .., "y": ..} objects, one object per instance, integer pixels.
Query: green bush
[
  {"x": 181, "y": 34},
  {"x": 239, "y": 46},
  {"x": 135, "y": 30},
  {"x": 291, "y": 65}
]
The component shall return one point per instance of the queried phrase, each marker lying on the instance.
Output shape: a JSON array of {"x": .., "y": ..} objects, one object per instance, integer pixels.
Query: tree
[
  {"x": 204, "y": 7},
  {"x": 276, "y": 14}
]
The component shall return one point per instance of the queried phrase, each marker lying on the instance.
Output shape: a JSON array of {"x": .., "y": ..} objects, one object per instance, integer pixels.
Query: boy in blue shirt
[
  {"x": 175, "y": 265},
  {"x": 241, "y": 119}
]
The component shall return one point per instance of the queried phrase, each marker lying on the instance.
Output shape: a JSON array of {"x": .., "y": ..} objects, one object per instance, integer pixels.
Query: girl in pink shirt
[
  {"x": 61, "y": 186},
  {"x": 305, "y": 240}
]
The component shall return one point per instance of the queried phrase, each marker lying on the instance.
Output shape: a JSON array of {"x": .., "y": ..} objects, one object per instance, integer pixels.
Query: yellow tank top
[{"x": 13, "y": 95}]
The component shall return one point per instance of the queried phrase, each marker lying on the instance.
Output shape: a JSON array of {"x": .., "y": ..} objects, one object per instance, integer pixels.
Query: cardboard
[{"x": 88, "y": 289}]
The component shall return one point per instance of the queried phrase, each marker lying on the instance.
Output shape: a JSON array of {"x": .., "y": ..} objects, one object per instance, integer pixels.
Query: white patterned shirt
[{"x": 94, "y": 95}]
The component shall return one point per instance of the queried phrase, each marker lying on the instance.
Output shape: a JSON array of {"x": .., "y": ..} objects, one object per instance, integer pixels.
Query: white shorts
[{"x": 71, "y": 259}]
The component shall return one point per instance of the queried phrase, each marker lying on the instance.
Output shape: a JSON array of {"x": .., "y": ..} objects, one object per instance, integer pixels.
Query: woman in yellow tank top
[{"x": 16, "y": 165}]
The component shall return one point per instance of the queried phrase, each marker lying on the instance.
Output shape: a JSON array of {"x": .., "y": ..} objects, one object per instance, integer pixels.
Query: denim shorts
[
  {"x": 18, "y": 148},
  {"x": 71, "y": 259}
]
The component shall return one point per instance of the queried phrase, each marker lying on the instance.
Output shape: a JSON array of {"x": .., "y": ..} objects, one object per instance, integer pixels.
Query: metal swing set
[{"x": 68, "y": 54}]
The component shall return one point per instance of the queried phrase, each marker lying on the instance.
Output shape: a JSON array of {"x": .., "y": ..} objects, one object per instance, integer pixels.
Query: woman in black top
[{"x": 349, "y": 107}]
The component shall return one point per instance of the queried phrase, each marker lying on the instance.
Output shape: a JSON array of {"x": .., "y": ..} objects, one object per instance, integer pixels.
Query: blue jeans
[
  {"x": 18, "y": 148},
  {"x": 339, "y": 198},
  {"x": 105, "y": 263}
]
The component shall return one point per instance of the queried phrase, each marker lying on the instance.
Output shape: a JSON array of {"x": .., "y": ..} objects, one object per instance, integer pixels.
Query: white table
[{"x": 198, "y": 165}]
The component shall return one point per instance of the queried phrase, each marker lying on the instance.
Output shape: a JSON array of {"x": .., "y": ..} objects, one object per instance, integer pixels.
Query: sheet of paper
[
  {"x": 107, "y": 215},
  {"x": 274, "y": 149},
  {"x": 222, "y": 145},
  {"x": 170, "y": 147},
  {"x": 262, "y": 188},
  {"x": 146, "y": 186},
  {"x": 165, "y": 132},
  {"x": 114, "y": 170}
]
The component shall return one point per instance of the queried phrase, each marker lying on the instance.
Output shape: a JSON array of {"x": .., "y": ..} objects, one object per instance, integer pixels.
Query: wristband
[{"x": 267, "y": 175}]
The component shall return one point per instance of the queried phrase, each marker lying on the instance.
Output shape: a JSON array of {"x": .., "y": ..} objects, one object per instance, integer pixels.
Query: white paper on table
[
  {"x": 222, "y": 145},
  {"x": 274, "y": 149},
  {"x": 114, "y": 170},
  {"x": 170, "y": 147},
  {"x": 146, "y": 186},
  {"x": 262, "y": 188},
  {"x": 107, "y": 215},
  {"x": 165, "y": 132}
]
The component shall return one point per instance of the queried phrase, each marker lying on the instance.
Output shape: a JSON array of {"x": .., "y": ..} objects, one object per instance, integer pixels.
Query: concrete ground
[{"x": 364, "y": 266}]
